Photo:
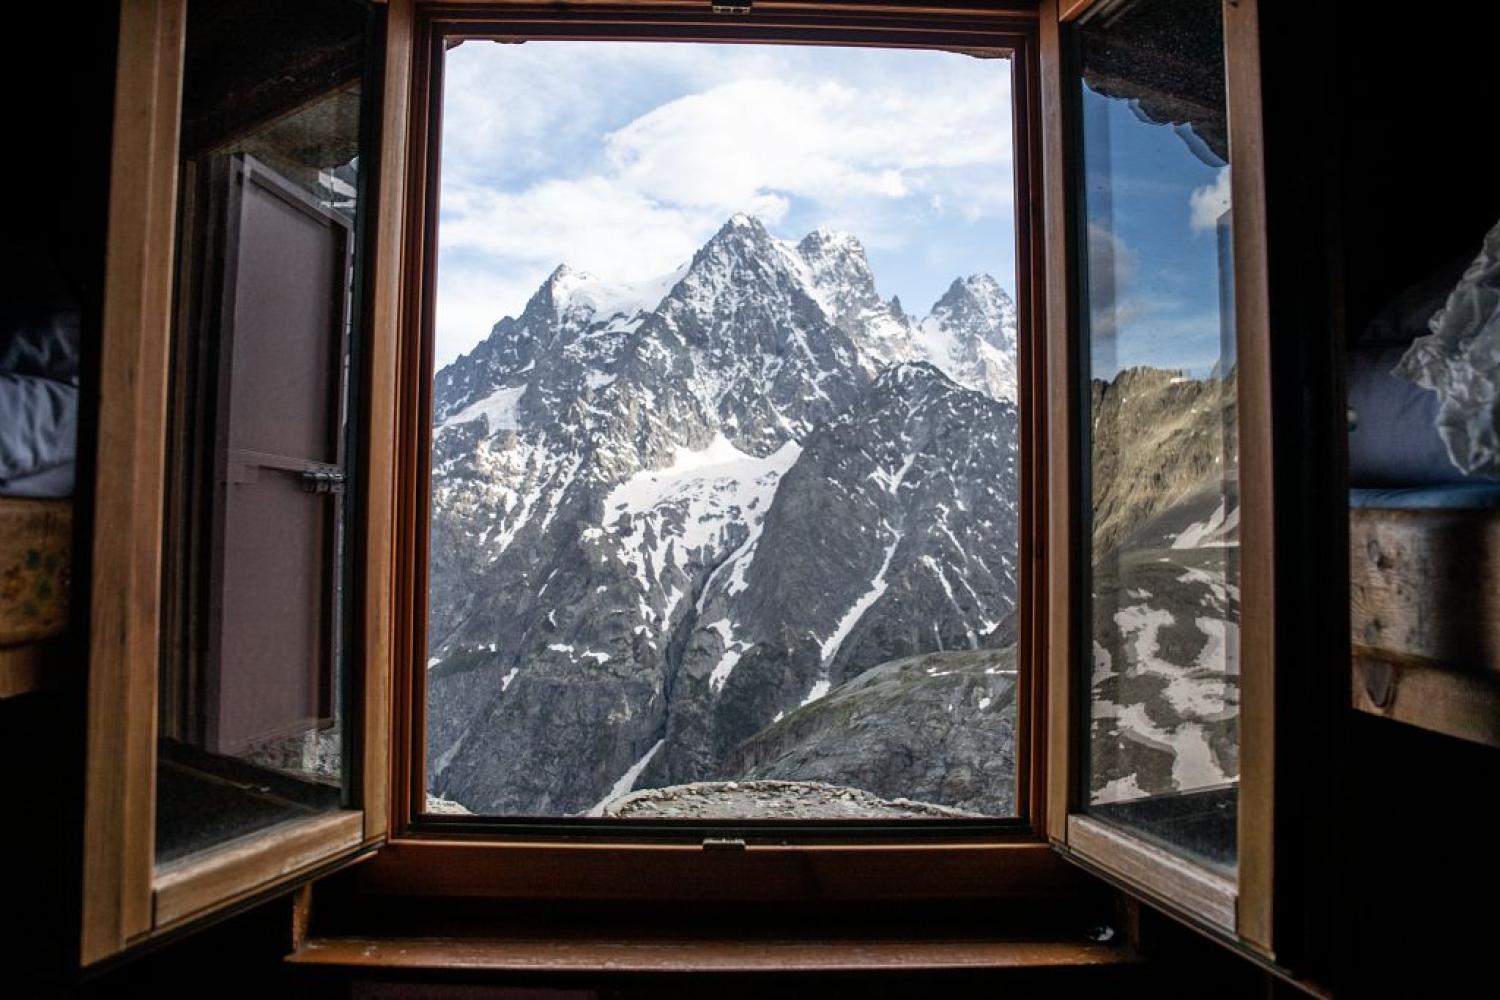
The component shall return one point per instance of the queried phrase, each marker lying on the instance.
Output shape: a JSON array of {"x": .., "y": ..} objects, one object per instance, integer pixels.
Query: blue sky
[
  {"x": 1152, "y": 207},
  {"x": 621, "y": 159}
]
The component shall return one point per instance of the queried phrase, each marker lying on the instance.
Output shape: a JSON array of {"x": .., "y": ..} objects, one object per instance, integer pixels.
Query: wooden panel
[
  {"x": 31, "y": 666},
  {"x": 1454, "y": 704},
  {"x": 36, "y": 546},
  {"x": 1173, "y": 882},
  {"x": 252, "y": 864},
  {"x": 126, "y": 587},
  {"x": 618, "y": 955},
  {"x": 378, "y": 542},
  {"x": 1063, "y": 525},
  {"x": 1258, "y": 646},
  {"x": 1424, "y": 586},
  {"x": 663, "y": 872}
]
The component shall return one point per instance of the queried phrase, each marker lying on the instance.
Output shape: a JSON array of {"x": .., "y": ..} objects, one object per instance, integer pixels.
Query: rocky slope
[
  {"x": 940, "y": 726},
  {"x": 1165, "y": 617}
]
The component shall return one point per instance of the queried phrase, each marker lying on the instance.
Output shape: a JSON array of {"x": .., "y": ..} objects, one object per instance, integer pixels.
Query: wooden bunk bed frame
[
  {"x": 1424, "y": 588},
  {"x": 36, "y": 539}
]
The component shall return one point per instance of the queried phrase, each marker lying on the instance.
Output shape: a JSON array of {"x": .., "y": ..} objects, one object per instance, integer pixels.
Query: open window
[
  {"x": 225, "y": 734},
  {"x": 726, "y": 574},
  {"x": 1165, "y": 688}
]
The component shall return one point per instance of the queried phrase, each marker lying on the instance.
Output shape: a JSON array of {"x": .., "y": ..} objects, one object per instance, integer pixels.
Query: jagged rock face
[
  {"x": 666, "y": 513},
  {"x": 1157, "y": 439},
  {"x": 893, "y": 533}
]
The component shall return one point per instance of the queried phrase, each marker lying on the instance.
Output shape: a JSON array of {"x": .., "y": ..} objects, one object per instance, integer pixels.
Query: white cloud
[
  {"x": 1207, "y": 203},
  {"x": 621, "y": 159}
]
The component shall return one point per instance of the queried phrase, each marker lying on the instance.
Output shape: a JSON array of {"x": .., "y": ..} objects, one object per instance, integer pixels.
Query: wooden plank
[
  {"x": 697, "y": 955},
  {"x": 1424, "y": 587},
  {"x": 1442, "y": 701},
  {"x": 252, "y": 864},
  {"x": 36, "y": 554},
  {"x": 1072, "y": 10},
  {"x": 1168, "y": 878},
  {"x": 382, "y": 391},
  {"x": 1063, "y": 525},
  {"x": 1257, "y": 486},
  {"x": 679, "y": 872},
  {"x": 129, "y": 482}
]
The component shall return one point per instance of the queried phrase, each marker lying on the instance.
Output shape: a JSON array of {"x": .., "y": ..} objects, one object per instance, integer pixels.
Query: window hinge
[
  {"x": 742, "y": 7},
  {"x": 723, "y": 844}
]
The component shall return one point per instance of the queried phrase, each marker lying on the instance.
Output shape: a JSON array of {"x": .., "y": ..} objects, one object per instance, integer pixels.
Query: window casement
[{"x": 381, "y": 807}]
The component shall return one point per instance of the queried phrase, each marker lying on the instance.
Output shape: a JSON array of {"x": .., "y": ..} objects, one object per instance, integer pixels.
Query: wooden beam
[
  {"x": 1257, "y": 486},
  {"x": 568, "y": 870},
  {"x": 381, "y": 393},
  {"x": 1424, "y": 587},
  {"x": 1464, "y": 706},
  {"x": 130, "y": 477},
  {"x": 1064, "y": 527}
]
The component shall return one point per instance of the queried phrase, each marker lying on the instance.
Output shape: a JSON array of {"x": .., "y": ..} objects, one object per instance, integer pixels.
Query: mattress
[{"x": 1448, "y": 496}]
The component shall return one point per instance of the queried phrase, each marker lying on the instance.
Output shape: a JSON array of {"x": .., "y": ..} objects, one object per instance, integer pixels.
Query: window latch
[
  {"x": 325, "y": 480},
  {"x": 723, "y": 843}
]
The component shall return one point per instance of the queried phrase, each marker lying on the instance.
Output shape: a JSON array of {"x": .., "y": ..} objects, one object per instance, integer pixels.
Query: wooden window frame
[
  {"x": 605, "y": 859},
  {"x": 127, "y": 899},
  {"x": 1239, "y": 909}
]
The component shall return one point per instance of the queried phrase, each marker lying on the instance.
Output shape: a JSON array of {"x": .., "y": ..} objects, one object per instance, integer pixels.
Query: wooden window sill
[{"x": 575, "y": 955}]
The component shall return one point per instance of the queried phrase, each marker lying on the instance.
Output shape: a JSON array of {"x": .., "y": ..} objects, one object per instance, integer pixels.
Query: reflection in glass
[
  {"x": 1163, "y": 691},
  {"x": 252, "y": 684},
  {"x": 721, "y": 527}
]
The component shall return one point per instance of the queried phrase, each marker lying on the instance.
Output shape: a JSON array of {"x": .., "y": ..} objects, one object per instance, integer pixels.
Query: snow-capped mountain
[{"x": 666, "y": 514}]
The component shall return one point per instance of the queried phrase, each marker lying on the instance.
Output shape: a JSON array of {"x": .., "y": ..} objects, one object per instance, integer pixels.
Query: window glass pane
[
  {"x": 724, "y": 443},
  {"x": 1163, "y": 684},
  {"x": 252, "y": 685}
]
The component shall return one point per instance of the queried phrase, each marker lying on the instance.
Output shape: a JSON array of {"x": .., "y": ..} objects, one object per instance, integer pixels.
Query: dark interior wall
[
  {"x": 55, "y": 174},
  {"x": 1415, "y": 100}
]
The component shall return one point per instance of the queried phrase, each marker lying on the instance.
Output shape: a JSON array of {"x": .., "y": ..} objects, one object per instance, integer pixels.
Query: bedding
[
  {"x": 39, "y": 335},
  {"x": 1453, "y": 496},
  {"x": 1393, "y": 435},
  {"x": 1460, "y": 362},
  {"x": 38, "y": 432}
]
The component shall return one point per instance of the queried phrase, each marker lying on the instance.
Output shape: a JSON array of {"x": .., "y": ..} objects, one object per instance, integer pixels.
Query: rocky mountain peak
[{"x": 978, "y": 303}]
